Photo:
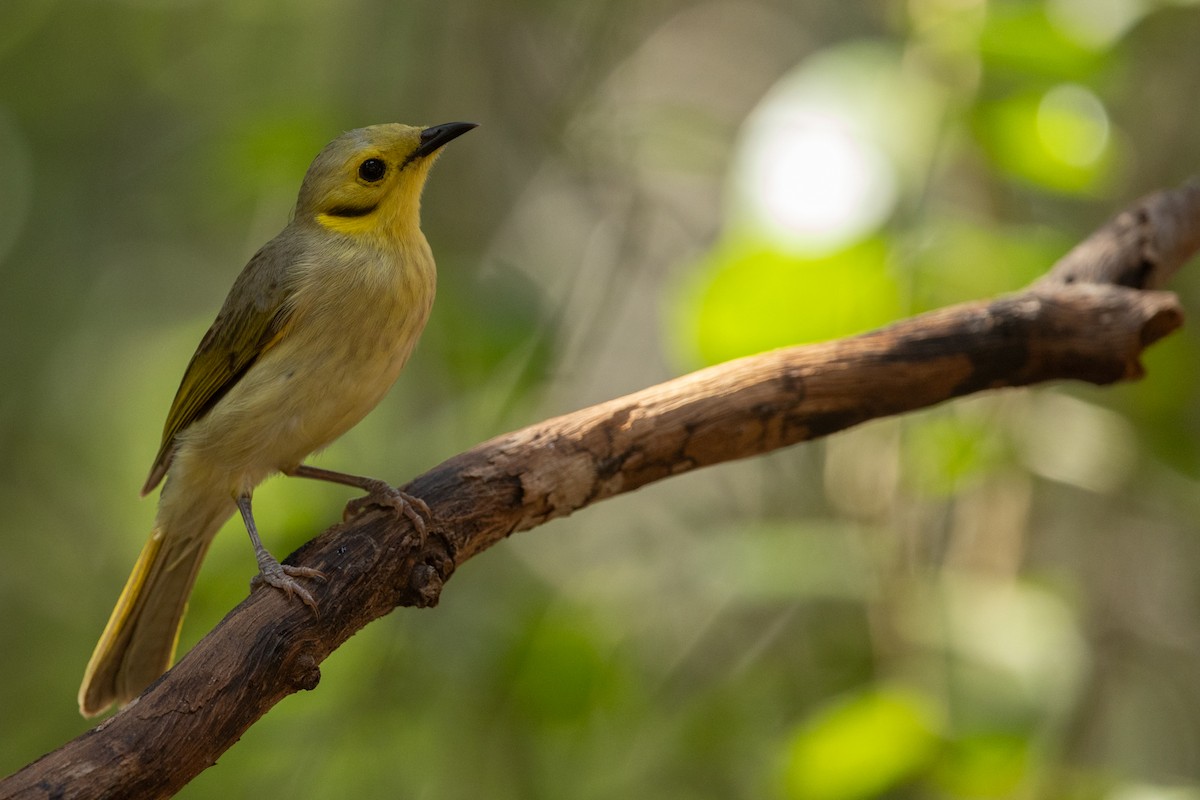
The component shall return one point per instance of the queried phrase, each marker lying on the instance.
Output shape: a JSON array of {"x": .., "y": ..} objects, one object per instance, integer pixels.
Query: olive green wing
[{"x": 253, "y": 319}]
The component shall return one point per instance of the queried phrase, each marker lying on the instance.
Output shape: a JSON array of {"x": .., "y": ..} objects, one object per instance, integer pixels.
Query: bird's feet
[
  {"x": 383, "y": 495},
  {"x": 283, "y": 577},
  {"x": 379, "y": 493}
]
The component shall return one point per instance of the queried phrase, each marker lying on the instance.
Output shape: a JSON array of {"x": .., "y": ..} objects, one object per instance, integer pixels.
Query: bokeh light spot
[
  {"x": 1095, "y": 23},
  {"x": 1073, "y": 125},
  {"x": 813, "y": 181}
]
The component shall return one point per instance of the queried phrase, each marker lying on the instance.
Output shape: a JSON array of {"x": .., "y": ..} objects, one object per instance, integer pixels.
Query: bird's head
[{"x": 369, "y": 180}]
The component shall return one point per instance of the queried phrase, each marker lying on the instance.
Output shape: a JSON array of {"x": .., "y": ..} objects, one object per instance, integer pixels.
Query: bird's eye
[{"x": 372, "y": 170}]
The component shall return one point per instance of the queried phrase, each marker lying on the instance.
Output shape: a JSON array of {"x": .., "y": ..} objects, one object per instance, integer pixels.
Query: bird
[{"x": 313, "y": 333}]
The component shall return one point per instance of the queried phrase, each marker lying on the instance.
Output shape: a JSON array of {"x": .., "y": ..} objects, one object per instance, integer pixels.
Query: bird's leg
[
  {"x": 379, "y": 493},
  {"x": 270, "y": 571}
]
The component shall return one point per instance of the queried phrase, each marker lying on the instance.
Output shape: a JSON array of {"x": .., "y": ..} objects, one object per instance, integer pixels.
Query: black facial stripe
[
  {"x": 351, "y": 211},
  {"x": 413, "y": 156}
]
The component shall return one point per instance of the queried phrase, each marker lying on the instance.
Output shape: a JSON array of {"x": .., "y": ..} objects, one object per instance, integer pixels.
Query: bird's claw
[
  {"x": 383, "y": 495},
  {"x": 283, "y": 577}
]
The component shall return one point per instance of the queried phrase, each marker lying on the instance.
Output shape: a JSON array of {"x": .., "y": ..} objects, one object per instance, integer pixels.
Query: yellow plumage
[{"x": 313, "y": 333}]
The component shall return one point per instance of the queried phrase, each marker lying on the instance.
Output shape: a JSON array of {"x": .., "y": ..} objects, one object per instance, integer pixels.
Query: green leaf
[
  {"x": 1057, "y": 139},
  {"x": 862, "y": 746},
  {"x": 983, "y": 766},
  {"x": 1019, "y": 37},
  {"x": 748, "y": 297}
]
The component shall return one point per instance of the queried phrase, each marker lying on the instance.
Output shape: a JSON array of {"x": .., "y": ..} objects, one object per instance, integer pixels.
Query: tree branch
[{"x": 1088, "y": 319}]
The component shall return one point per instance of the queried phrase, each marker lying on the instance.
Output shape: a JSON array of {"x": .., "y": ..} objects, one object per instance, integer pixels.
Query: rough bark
[{"x": 1088, "y": 319}]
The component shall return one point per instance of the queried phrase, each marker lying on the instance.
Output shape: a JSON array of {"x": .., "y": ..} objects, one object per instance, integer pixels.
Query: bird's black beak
[{"x": 435, "y": 136}]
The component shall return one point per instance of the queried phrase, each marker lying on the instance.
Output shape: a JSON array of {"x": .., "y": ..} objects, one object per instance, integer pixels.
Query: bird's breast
[{"x": 354, "y": 322}]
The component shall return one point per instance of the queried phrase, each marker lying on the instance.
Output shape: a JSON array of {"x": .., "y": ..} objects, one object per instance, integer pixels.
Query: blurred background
[{"x": 996, "y": 598}]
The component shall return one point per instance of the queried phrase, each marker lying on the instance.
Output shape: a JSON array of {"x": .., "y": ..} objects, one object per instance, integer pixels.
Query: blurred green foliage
[
  {"x": 992, "y": 599},
  {"x": 744, "y": 299},
  {"x": 862, "y": 747}
]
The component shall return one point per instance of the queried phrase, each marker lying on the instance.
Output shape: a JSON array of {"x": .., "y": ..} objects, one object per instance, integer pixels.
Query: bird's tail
[{"x": 139, "y": 640}]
